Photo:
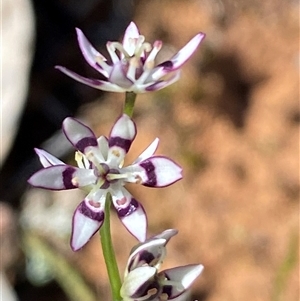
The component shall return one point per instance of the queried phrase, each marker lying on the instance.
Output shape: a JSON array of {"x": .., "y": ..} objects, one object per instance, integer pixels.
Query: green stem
[
  {"x": 109, "y": 254},
  {"x": 129, "y": 103}
]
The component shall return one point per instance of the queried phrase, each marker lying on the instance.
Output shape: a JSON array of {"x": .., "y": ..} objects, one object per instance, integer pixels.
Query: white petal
[
  {"x": 91, "y": 55},
  {"x": 179, "y": 58},
  {"x": 161, "y": 84},
  {"x": 102, "y": 154},
  {"x": 130, "y": 212},
  {"x": 136, "y": 223},
  {"x": 94, "y": 83},
  {"x": 148, "y": 152},
  {"x": 135, "y": 280},
  {"x": 121, "y": 137},
  {"x": 167, "y": 234},
  {"x": 80, "y": 135},
  {"x": 118, "y": 76},
  {"x": 155, "y": 247},
  {"x": 131, "y": 33},
  {"x": 184, "y": 53},
  {"x": 124, "y": 128},
  {"x": 157, "y": 171},
  {"x": 60, "y": 177},
  {"x": 86, "y": 222},
  {"x": 184, "y": 275},
  {"x": 47, "y": 159}
]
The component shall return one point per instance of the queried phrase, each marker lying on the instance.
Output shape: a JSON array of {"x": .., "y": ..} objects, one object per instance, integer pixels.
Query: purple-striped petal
[
  {"x": 92, "y": 82},
  {"x": 184, "y": 276},
  {"x": 167, "y": 235},
  {"x": 150, "y": 253},
  {"x": 124, "y": 128},
  {"x": 91, "y": 55},
  {"x": 135, "y": 220},
  {"x": 136, "y": 284},
  {"x": 80, "y": 135},
  {"x": 130, "y": 212},
  {"x": 87, "y": 220},
  {"x": 131, "y": 33},
  {"x": 157, "y": 171},
  {"x": 180, "y": 57},
  {"x": 161, "y": 84},
  {"x": 121, "y": 137},
  {"x": 60, "y": 177},
  {"x": 47, "y": 159}
]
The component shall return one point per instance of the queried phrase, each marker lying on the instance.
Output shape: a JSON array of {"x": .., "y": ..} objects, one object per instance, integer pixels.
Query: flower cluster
[
  {"x": 143, "y": 282},
  {"x": 134, "y": 70},
  {"x": 100, "y": 171}
]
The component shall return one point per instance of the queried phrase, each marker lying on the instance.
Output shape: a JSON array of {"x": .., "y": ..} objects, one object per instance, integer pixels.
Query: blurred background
[{"x": 232, "y": 122}]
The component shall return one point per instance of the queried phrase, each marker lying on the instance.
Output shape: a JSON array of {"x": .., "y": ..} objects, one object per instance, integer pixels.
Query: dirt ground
[{"x": 232, "y": 122}]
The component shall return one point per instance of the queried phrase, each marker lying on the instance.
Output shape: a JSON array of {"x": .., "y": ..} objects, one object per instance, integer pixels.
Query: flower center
[
  {"x": 103, "y": 172},
  {"x": 106, "y": 175}
]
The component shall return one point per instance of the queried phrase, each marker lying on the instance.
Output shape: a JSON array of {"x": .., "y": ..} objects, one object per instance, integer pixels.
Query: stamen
[
  {"x": 133, "y": 65},
  {"x": 75, "y": 181},
  {"x": 138, "y": 179},
  {"x": 112, "y": 47},
  {"x": 78, "y": 159},
  {"x": 105, "y": 67},
  {"x": 152, "y": 291},
  {"x": 91, "y": 157},
  {"x": 163, "y": 297},
  {"x": 149, "y": 63},
  {"x": 113, "y": 176},
  {"x": 139, "y": 52},
  {"x": 95, "y": 187}
]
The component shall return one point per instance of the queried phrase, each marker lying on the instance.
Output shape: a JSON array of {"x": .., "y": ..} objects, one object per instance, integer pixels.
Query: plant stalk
[
  {"x": 109, "y": 253},
  {"x": 129, "y": 103}
]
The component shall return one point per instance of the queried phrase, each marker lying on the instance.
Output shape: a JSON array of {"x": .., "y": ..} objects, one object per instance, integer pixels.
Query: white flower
[
  {"x": 134, "y": 69},
  {"x": 100, "y": 171},
  {"x": 143, "y": 282}
]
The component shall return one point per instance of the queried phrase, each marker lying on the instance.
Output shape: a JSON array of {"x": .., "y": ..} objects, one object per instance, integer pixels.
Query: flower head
[
  {"x": 100, "y": 171},
  {"x": 134, "y": 69},
  {"x": 143, "y": 282}
]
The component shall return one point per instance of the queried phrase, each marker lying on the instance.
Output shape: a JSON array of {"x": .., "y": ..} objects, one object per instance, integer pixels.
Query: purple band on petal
[
  {"x": 144, "y": 257},
  {"x": 85, "y": 142},
  {"x": 67, "y": 176},
  {"x": 122, "y": 212},
  {"x": 142, "y": 291},
  {"x": 94, "y": 215},
  {"x": 153, "y": 87},
  {"x": 120, "y": 142},
  {"x": 150, "y": 171},
  {"x": 167, "y": 289},
  {"x": 167, "y": 65}
]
